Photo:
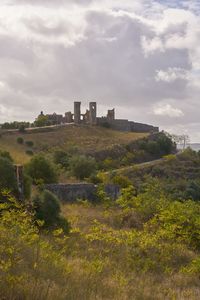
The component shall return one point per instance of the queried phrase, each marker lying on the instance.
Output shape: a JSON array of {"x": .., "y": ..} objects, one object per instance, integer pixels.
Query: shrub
[
  {"x": 110, "y": 163},
  {"x": 40, "y": 169},
  {"x": 47, "y": 208},
  {"x": 29, "y": 143},
  {"x": 6, "y": 154},
  {"x": 22, "y": 128},
  {"x": 27, "y": 186},
  {"x": 20, "y": 140},
  {"x": 29, "y": 152},
  {"x": 82, "y": 167},
  {"x": 62, "y": 158},
  {"x": 122, "y": 181},
  {"x": 7, "y": 175},
  {"x": 29, "y": 260},
  {"x": 42, "y": 121}
]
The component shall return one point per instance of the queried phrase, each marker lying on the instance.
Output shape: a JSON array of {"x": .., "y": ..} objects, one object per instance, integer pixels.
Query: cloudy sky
[{"x": 140, "y": 56}]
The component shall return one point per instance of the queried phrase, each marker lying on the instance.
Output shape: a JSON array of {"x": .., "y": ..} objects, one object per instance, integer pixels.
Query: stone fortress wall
[
  {"x": 90, "y": 118},
  {"x": 81, "y": 191}
]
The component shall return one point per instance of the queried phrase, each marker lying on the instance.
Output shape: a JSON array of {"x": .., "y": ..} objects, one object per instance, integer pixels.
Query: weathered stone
[{"x": 81, "y": 191}]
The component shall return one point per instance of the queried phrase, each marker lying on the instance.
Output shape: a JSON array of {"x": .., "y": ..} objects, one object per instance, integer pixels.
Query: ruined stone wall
[
  {"x": 93, "y": 113},
  {"x": 139, "y": 127},
  {"x": 83, "y": 191},
  {"x": 77, "y": 112},
  {"x": 122, "y": 125}
]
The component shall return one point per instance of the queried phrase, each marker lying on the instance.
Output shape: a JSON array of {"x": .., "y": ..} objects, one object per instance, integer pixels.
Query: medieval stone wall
[
  {"x": 83, "y": 191},
  {"x": 139, "y": 127}
]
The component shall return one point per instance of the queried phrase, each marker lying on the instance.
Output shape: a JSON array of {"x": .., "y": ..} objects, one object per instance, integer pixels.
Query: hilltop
[{"x": 70, "y": 138}]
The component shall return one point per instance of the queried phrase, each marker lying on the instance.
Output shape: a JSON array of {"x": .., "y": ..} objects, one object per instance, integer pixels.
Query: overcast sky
[{"x": 140, "y": 56}]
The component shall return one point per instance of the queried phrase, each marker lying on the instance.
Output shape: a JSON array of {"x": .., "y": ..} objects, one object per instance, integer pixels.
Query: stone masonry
[{"x": 90, "y": 118}]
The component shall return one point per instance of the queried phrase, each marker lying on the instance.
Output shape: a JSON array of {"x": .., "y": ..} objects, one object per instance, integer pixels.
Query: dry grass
[
  {"x": 67, "y": 138},
  {"x": 116, "y": 280}
]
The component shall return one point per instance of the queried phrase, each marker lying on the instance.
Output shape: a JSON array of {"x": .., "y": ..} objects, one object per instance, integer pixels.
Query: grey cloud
[
  {"x": 108, "y": 66},
  {"x": 46, "y": 3}
]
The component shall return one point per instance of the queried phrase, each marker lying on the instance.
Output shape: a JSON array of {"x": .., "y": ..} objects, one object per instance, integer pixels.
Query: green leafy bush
[
  {"x": 20, "y": 140},
  {"x": 29, "y": 152},
  {"x": 28, "y": 259},
  {"x": 7, "y": 175},
  {"x": 6, "y": 154},
  {"x": 47, "y": 208},
  {"x": 62, "y": 158},
  {"x": 41, "y": 170},
  {"x": 82, "y": 167},
  {"x": 29, "y": 143}
]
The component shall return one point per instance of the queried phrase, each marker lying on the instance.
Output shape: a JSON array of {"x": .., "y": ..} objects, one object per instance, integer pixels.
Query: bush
[
  {"x": 29, "y": 259},
  {"x": 41, "y": 170},
  {"x": 27, "y": 186},
  {"x": 42, "y": 121},
  {"x": 6, "y": 154},
  {"x": 29, "y": 152},
  {"x": 122, "y": 181},
  {"x": 22, "y": 128},
  {"x": 82, "y": 167},
  {"x": 20, "y": 140},
  {"x": 29, "y": 143},
  {"x": 47, "y": 208},
  {"x": 62, "y": 158},
  {"x": 7, "y": 175}
]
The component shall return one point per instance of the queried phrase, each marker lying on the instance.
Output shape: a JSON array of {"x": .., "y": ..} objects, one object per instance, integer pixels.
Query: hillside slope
[{"x": 71, "y": 138}]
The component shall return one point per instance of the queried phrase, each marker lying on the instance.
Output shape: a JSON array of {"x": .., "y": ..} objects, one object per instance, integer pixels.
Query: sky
[{"x": 141, "y": 57}]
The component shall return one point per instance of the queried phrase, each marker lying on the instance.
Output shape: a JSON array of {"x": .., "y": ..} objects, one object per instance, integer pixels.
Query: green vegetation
[
  {"x": 6, "y": 154},
  {"x": 82, "y": 167},
  {"x": 31, "y": 263},
  {"x": 47, "y": 208},
  {"x": 41, "y": 170},
  {"x": 84, "y": 139},
  {"x": 16, "y": 125},
  {"x": 29, "y": 152},
  {"x": 29, "y": 143},
  {"x": 42, "y": 121},
  {"x": 61, "y": 158},
  {"x": 7, "y": 175},
  {"x": 20, "y": 140},
  {"x": 144, "y": 245}
]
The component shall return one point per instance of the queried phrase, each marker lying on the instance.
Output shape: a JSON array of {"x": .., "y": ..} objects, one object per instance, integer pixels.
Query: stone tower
[
  {"x": 111, "y": 115},
  {"x": 77, "y": 112},
  {"x": 93, "y": 113}
]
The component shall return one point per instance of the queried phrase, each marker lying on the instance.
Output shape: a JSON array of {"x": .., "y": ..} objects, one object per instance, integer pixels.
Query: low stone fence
[{"x": 83, "y": 191}]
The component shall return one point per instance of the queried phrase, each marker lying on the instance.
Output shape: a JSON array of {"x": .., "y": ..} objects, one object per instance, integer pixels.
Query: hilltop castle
[{"x": 90, "y": 118}]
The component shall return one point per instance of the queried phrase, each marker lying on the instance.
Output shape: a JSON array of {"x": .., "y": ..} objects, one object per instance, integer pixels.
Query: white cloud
[
  {"x": 171, "y": 75},
  {"x": 150, "y": 46},
  {"x": 167, "y": 110},
  {"x": 125, "y": 54}
]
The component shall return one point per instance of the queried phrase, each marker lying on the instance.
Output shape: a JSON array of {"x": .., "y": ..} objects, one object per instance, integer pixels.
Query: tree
[
  {"x": 6, "y": 154},
  {"x": 82, "y": 167},
  {"x": 47, "y": 208},
  {"x": 20, "y": 140},
  {"x": 62, "y": 158},
  {"x": 42, "y": 121},
  {"x": 167, "y": 146},
  {"x": 183, "y": 139},
  {"x": 41, "y": 170},
  {"x": 7, "y": 175}
]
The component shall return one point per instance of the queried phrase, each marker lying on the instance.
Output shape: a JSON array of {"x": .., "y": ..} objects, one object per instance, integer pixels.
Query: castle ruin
[{"x": 90, "y": 118}]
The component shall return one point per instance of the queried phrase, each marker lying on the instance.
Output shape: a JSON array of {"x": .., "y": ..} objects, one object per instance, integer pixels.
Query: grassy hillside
[{"x": 83, "y": 139}]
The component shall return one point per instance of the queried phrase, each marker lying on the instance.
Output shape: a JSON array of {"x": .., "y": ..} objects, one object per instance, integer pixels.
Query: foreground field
[{"x": 71, "y": 138}]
